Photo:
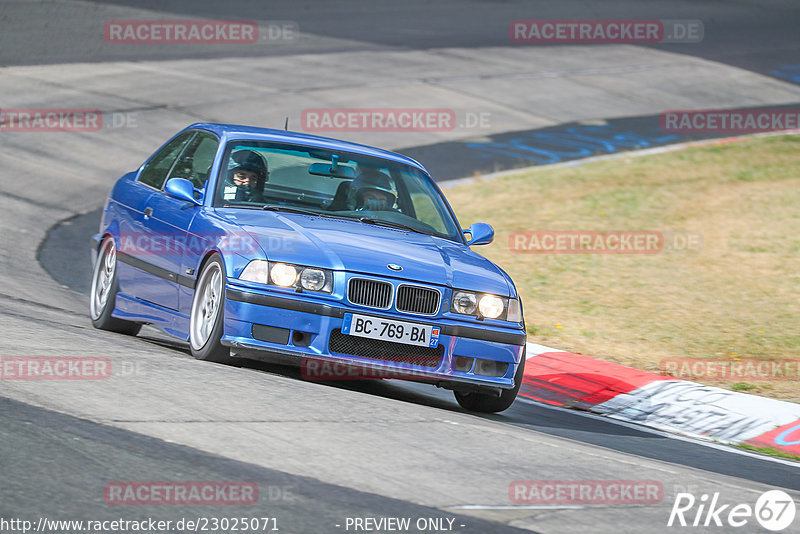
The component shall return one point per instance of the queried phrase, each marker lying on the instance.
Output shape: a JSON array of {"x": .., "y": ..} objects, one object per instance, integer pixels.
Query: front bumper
[{"x": 309, "y": 329}]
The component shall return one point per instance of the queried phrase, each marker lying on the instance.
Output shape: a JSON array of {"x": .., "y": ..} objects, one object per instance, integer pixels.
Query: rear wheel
[
  {"x": 483, "y": 403},
  {"x": 104, "y": 292},
  {"x": 207, "y": 315}
]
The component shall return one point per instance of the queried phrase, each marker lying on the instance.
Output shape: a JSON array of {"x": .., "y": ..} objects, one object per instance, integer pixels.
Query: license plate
[{"x": 421, "y": 335}]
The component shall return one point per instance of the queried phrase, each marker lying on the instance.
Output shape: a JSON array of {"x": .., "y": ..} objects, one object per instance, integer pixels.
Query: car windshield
[{"x": 293, "y": 178}]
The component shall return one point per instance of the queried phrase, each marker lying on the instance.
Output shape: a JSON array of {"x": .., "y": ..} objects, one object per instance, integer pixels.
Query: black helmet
[
  {"x": 247, "y": 160},
  {"x": 371, "y": 180}
]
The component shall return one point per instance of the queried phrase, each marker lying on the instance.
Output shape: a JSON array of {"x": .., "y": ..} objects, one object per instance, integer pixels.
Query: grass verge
[
  {"x": 770, "y": 451},
  {"x": 734, "y": 298}
]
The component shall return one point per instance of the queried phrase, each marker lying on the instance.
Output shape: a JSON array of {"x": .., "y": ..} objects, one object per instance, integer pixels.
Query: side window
[
  {"x": 155, "y": 172},
  {"x": 195, "y": 162}
]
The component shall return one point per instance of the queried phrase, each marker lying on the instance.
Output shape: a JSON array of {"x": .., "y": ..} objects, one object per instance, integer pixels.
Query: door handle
[{"x": 148, "y": 211}]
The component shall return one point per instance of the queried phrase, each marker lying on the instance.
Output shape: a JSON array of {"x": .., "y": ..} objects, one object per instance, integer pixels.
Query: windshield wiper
[
  {"x": 243, "y": 206},
  {"x": 290, "y": 209},
  {"x": 303, "y": 211},
  {"x": 391, "y": 224}
]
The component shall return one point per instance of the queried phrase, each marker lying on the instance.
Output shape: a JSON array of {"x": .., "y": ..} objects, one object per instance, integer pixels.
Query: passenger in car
[{"x": 372, "y": 191}]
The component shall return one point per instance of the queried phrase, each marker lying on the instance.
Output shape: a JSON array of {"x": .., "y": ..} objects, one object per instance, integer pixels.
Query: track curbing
[{"x": 688, "y": 408}]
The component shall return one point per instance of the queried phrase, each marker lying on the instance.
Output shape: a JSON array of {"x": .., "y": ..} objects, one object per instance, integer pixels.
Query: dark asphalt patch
[
  {"x": 555, "y": 144},
  {"x": 65, "y": 253}
]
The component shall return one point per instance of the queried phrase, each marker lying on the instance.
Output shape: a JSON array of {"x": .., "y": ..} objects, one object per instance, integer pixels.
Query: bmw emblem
[{"x": 394, "y": 267}]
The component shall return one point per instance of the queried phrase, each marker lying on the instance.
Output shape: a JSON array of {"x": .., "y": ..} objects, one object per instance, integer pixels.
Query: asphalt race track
[{"x": 323, "y": 454}]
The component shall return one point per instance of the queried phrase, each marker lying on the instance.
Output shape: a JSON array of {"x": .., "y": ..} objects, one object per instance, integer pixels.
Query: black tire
[
  {"x": 483, "y": 403},
  {"x": 103, "y": 294},
  {"x": 205, "y": 332}
]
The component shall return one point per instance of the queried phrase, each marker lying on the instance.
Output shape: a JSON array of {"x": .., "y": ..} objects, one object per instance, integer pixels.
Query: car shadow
[
  {"x": 524, "y": 413},
  {"x": 400, "y": 390}
]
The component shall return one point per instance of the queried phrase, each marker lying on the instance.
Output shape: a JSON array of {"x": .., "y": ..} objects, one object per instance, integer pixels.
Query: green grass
[{"x": 770, "y": 451}]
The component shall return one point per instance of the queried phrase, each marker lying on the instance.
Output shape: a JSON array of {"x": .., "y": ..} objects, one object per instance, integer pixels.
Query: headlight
[
  {"x": 491, "y": 306},
  {"x": 288, "y": 275},
  {"x": 466, "y": 303},
  {"x": 283, "y": 274},
  {"x": 312, "y": 279},
  {"x": 485, "y": 305}
]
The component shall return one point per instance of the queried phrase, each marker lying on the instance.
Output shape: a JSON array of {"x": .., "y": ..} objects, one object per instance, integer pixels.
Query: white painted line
[
  {"x": 517, "y": 507},
  {"x": 535, "y": 350}
]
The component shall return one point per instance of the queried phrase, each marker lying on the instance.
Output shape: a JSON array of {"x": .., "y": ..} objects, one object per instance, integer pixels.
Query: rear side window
[
  {"x": 195, "y": 162},
  {"x": 155, "y": 171}
]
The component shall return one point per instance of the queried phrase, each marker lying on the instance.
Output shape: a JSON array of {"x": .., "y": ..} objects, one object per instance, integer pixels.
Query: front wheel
[
  {"x": 207, "y": 316},
  {"x": 105, "y": 285},
  {"x": 483, "y": 403}
]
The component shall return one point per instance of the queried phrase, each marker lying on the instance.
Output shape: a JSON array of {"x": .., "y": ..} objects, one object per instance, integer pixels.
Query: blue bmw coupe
[{"x": 251, "y": 243}]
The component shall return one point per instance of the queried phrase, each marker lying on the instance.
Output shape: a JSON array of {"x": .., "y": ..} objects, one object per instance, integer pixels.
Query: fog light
[
  {"x": 462, "y": 363},
  {"x": 490, "y": 368}
]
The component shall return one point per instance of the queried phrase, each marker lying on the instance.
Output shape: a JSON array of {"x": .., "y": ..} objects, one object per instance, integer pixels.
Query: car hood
[{"x": 365, "y": 248}]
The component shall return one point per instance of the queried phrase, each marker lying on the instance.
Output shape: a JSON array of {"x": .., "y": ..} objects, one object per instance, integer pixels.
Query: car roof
[{"x": 235, "y": 131}]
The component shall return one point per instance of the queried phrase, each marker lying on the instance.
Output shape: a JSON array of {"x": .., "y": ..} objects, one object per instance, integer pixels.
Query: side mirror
[
  {"x": 182, "y": 189},
  {"x": 480, "y": 234}
]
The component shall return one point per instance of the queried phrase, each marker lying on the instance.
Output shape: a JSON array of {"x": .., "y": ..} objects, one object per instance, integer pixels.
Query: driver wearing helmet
[
  {"x": 247, "y": 174},
  {"x": 372, "y": 191}
]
